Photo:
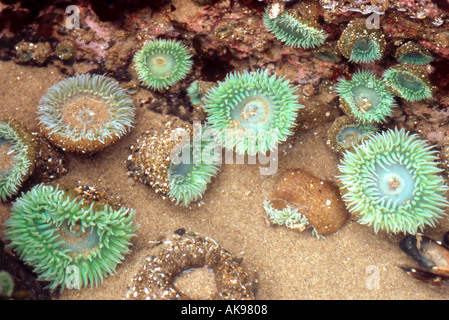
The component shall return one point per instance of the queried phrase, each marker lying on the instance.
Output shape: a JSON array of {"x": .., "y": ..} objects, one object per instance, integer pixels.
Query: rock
[{"x": 317, "y": 200}]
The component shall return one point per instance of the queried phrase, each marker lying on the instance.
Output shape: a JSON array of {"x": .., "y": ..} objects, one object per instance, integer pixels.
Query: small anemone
[
  {"x": 70, "y": 241},
  {"x": 408, "y": 82},
  {"x": 294, "y": 30},
  {"x": 392, "y": 182},
  {"x": 188, "y": 178},
  {"x": 345, "y": 133},
  {"x": 365, "y": 98},
  {"x": 65, "y": 50},
  {"x": 17, "y": 157},
  {"x": 413, "y": 53},
  {"x": 360, "y": 44},
  {"x": 174, "y": 164},
  {"x": 252, "y": 111},
  {"x": 161, "y": 63},
  {"x": 6, "y": 285},
  {"x": 85, "y": 113}
]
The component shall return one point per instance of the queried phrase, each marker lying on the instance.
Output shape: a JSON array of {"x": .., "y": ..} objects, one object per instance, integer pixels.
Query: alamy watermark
[
  {"x": 373, "y": 277},
  {"x": 73, "y": 20},
  {"x": 73, "y": 277}
]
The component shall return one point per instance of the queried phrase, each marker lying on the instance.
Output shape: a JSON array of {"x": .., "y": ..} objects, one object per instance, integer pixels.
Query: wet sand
[{"x": 288, "y": 264}]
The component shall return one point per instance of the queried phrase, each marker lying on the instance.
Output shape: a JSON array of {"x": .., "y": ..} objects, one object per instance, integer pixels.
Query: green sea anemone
[
  {"x": 391, "y": 182},
  {"x": 178, "y": 162},
  {"x": 6, "y": 285},
  {"x": 294, "y": 30},
  {"x": 413, "y": 53},
  {"x": 345, "y": 133},
  {"x": 252, "y": 111},
  {"x": 188, "y": 179},
  {"x": 360, "y": 44},
  {"x": 365, "y": 98},
  {"x": 161, "y": 63},
  {"x": 85, "y": 113},
  {"x": 70, "y": 241},
  {"x": 17, "y": 157},
  {"x": 408, "y": 82}
]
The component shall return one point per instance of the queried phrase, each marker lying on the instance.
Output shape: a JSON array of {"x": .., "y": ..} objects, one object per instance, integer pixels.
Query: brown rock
[{"x": 319, "y": 201}]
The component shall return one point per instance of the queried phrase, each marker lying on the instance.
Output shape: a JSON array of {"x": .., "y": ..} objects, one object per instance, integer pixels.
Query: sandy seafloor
[{"x": 288, "y": 264}]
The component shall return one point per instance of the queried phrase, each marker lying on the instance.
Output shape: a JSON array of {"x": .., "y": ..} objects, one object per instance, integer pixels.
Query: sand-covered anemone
[
  {"x": 68, "y": 240},
  {"x": 252, "y": 111},
  {"x": 17, "y": 156},
  {"x": 346, "y": 134},
  {"x": 163, "y": 272},
  {"x": 413, "y": 53},
  {"x": 178, "y": 162},
  {"x": 365, "y": 98},
  {"x": 392, "y": 182},
  {"x": 294, "y": 30},
  {"x": 360, "y": 44},
  {"x": 85, "y": 113},
  {"x": 408, "y": 82},
  {"x": 161, "y": 63}
]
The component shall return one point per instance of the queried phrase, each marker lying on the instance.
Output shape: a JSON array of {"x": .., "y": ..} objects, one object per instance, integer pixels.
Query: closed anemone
[
  {"x": 252, "y": 111},
  {"x": 408, "y": 82},
  {"x": 392, "y": 182},
  {"x": 413, "y": 53},
  {"x": 294, "y": 30},
  {"x": 161, "y": 63},
  {"x": 345, "y": 133},
  {"x": 360, "y": 44},
  {"x": 68, "y": 240},
  {"x": 85, "y": 113},
  {"x": 365, "y": 98},
  {"x": 17, "y": 157}
]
